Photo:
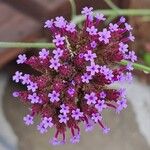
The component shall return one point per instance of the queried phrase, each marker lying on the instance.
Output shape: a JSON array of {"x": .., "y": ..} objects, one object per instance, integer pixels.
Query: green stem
[
  {"x": 51, "y": 45},
  {"x": 119, "y": 12},
  {"x": 73, "y": 8},
  {"x": 25, "y": 45},
  {"x": 111, "y": 5},
  {"x": 137, "y": 66}
]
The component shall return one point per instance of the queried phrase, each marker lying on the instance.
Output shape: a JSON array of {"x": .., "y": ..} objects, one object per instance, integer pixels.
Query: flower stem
[
  {"x": 25, "y": 45},
  {"x": 73, "y": 8},
  {"x": 119, "y": 12},
  {"x": 137, "y": 66}
]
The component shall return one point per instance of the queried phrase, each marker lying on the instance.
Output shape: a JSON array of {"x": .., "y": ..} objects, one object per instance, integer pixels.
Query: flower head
[{"x": 73, "y": 81}]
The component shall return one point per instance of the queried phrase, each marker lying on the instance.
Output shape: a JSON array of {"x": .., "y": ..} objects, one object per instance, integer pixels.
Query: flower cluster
[{"x": 73, "y": 84}]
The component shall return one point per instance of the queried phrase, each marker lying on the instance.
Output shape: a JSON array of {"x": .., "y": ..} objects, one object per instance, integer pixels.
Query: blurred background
[{"x": 22, "y": 20}]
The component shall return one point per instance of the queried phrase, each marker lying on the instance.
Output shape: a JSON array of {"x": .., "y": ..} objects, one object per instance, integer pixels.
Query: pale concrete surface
[
  {"x": 8, "y": 139},
  {"x": 125, "y": 132}
]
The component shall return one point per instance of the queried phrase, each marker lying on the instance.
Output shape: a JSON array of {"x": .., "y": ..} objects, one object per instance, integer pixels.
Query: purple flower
[
  {"x": 102, "y": 95},
  {"x": 28, "y": 120},
  {"x": 57, "y": 53},
  {"x": 75, "y": 139},
  {"x": 129, "y": 67},
  {"x": 106, "y": 130},
  {"x": 60, "y": 22},
  {"x": 71, "y": 27},
  {"x": 131, "y": 37},
  {"x": 48, "y": 23},
  {"x": 132, "y": 56},
  {"x": 121, "y": 105},
  {"x": 87, "y": 11},
  {"x": 34, "y": 98},
  {"x": 123, "y": 47},
  {"x": 47, "y": 122},
  {"x": 15, "y": 94},
  {"x": 104, "y": 36},
  {"x": 93, "y": 68},
  {"x": 42, "y": 128},
  {"x": 96, "y": 117},
  {"x": 85, "y": 78},
  {"x": 122, "y": 19},
  {"x": 55, "y": 141},
  {"x": 63, "y": 118},
  {"x": 71, "y": 91},
  {"x": 123, "y": 93},
  {"x": 54, "y": 63},
  {"x": 54, "y": 96},
  {"x": 17, "y": 76},
  {"x": 129, "y": 77},
  {"x": 100, "y": 17},
  {"x": 76, "y": 114},
  {"x": 64, "y": 109},
  {"x": 59, "y": 40},
  {"x": 32, "y": 86},
  {"x": 89, "y": 126},
  {"x": 43, "y": 53},
  {"x": 91, "y": 30},
  {"x": 89, "y": 56},
  {"x": 25, "y": 79},
  {"x": 91, "y": 98},
  {"x": 113, "y": 27},
  {"x": 21, "y": 59},
  {"x": 93, "y": 44},
  {"x": 128, "y": 27},
  {"x": 100, "y": 105},
  {"x": 109, "y": 75}
]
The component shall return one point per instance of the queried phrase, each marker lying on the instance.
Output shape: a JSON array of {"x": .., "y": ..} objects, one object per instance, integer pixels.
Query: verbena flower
[{"x": 73, "y": 85}]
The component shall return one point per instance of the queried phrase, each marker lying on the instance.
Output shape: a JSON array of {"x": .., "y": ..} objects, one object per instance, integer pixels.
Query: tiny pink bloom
[
  {"x": 54, "y": 64},
  {"x": 91, "y": 30},
  {"x": 122, "y": 104},
  {"x": 122, "y": 19},
  {"x": 55, "y": 141},
  {"x": 41, "y": 128},
  {"x": 34, "y": 98},
  {"x": 128, "y": 27},
  {"x": 89, "y": 56},
  {"x": 86, "y": 78},
  {"x": 48, "y": 23},
  {"x": 113, "y": 27},
  {"x": 28, "y": 120},
  {"x": 43, "y": 54},
  {"x": 87, "y": 11},
  {"x": 106, "y": 130},
  {"x": 32, "y": 86},
  {"x": 71, "y": 27},
  {"x": 100, "y": 17},
  {"x": 64, "y": 109},
  {"x": 59, "y": 40},
  {"x": 104, "y": 36},
  {"x": 76, "y": 114},
  {"x": 47, "y": 122},
  {"x": 17, "y": 77},
  {"x": 100, "y": 105},
  {"x": 25, "y": 79},
  {"x": 123, "y": 47},
  {"x": 102, "y": 95},
  {"x": 93, "y": 69},
  {"x": 60, "y": 22},
  {"x": 93, "y": 44},
  {"x": 54, "y": 96},
  {"x": 57, "y": 53},
  {"x": 96, "y": 117},
  {"x": 63, "y": 118},
  {"x": 21, "y": 59},
  {"x": 91, "y": 98},
  {"x": 75, "y": 139},
  {"x": 131, "y": 37}
]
